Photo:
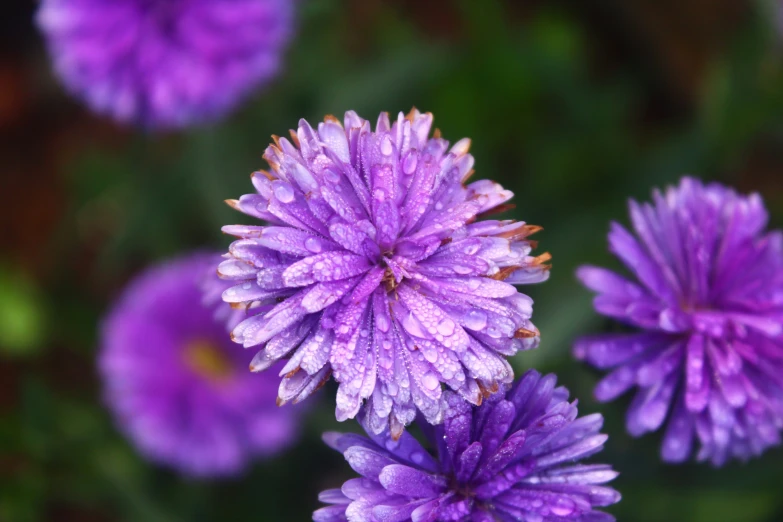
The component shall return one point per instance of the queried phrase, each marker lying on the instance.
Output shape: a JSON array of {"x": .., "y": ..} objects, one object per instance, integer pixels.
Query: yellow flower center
[{"x": 207, "y": 361}]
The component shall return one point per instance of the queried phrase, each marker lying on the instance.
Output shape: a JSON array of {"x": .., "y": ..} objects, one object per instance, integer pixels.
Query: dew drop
[
  {"x": 431, "y": 354},
  {"x": 417, "y": 457},
  {"x": 464, "y": 270},
  {"x": 386, "y": 146},
  {"x": 332, "y": 176},
  {"x": 494, "y": 333},
  {"x": 475, "y": 320},
  {"x": 471, "y": 249},
  {"x": 412, "y": 326},
  {"x": 409, "y": 163},
  {"x": 446, "y": 326},
  {"x": 382, "y": 323},
  {"x": 430, "y": 381},
  {"x": 284, "y": 193},
  {"x": 562, "y": 507},
  {"x": 313, "y": 245}
]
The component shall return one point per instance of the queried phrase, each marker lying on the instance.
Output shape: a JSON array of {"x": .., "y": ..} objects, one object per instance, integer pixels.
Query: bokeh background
[{"x": 574, "y": 105}]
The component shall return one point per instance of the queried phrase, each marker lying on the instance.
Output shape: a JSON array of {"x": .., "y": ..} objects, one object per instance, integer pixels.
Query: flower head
[
  {"x": 708, "y": 295},
  {"x": 165, "y": 63},
  {"x": 374, "y": 268},
  {"x": 512, "y": 458},
  {"x": 177, "y": 385}
]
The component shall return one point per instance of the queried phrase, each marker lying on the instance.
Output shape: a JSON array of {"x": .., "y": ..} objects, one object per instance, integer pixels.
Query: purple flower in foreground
[
  {"x": 709, "y": 297},
  {"x": 374, "y": 267},
  {"x": 165, "y": 63},
  {"x": 178, "y": 386},
  {"x": 511, "y": 459}
]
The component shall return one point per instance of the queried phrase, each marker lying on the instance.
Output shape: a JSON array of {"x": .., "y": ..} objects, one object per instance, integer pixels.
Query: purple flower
[
  {"x": 511, "y": 459},
  {"x": 178, "y": 386},
  {"x": 374, "y": 267},
  {"x": 708, "y": 296},
  {"x": 165, "y": 63}
]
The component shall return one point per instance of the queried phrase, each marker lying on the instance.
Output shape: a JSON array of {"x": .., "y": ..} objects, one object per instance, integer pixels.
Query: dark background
[{"x": 574, "y": 105}]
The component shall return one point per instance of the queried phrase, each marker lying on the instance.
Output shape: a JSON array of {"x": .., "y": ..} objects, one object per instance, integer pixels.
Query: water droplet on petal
[
  {"x": 431, "y": 354},
  {"x": 386, "y": 146},
  {"x": 332, "y": 175},
  {"x": 462, "y": 269},
  {"x": 313, "y": 244},
  {"x": 471, "y": 249},
  {"x": 417, "y": 457},
  {"x": 562, "y": 507},
  {"x": 412, "y": 326},
  {"x": 409, "y": 163},
  {"x": 446, "y": 326},
  {"x": 475, "y": 320},
  {"x": 382, "y": 323},
  {"x": 430, "y": 381},
  {"x": 284, "y": 193}
]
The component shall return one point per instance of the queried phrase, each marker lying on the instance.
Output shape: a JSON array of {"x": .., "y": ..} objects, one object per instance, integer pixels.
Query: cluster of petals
[
  {"x": 514, "y": 458},
  {"x": 374, "y": 267},
  {"x": 165, "y": 63},
  {"x": 706, "y": 300}
]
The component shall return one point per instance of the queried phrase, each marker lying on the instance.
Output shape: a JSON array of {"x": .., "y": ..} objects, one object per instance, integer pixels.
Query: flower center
[{"x": 207, "y": 361}]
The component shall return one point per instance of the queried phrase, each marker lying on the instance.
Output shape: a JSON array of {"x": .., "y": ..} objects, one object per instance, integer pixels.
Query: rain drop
[
  {"x": 409, "y": 163},
  {"x": 475, "y": 320},
  {"x": 430, "y": 381},
  {"x": 386, "y": 146},
  {"x": 313, "y": 245},
  {"x": 382, "y": 323},
  {"x": 446, "y": 326},
  {"x": 412, "y": 326},
  {"x": 284, "y": 193},
  {"x": 471, "y": 249},
  {"x": 332, "y": 176}
]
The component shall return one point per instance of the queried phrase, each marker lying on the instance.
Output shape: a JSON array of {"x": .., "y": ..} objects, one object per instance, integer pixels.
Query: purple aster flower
[
  {"x": 375, "y": 268},
  {"x": 511, "y": 459},
  {"x": 178, "y": 386},
  {"x": 165, "y": 63},
  {"x": 708, "y": 296}
]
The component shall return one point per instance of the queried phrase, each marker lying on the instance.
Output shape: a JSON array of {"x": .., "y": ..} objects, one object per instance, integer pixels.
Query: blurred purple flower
[
  {"x": 709, "y": 295},
  {"x": 178, "y": 386},
  {"x": 165, "y": 63},
  {"x": 512, "y": 458},
  {"x": 375, "y": 268}
]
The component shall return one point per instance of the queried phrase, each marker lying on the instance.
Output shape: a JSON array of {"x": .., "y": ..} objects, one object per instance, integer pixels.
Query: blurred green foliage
[{"x": 571, "y": 139}]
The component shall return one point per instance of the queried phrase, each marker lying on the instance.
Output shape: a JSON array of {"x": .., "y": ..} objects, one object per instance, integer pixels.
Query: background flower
[
  {"x": 512, "y": 458},
  {"x": 709, "y": 296},
  {"x": 374, "y": 267},
  {"x": 165, "y": 63},
  {"x": 178, "y": 387}
]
